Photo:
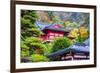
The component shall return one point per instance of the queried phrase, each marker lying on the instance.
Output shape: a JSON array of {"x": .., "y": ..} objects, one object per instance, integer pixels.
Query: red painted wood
[{"x": 51, "y": 34}]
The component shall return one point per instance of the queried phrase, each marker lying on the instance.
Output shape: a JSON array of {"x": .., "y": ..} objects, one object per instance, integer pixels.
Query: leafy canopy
[{"x": 61, "y": 43}]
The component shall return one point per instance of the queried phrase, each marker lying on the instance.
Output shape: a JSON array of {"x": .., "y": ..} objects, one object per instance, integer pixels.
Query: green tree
[
  {"x": 48, "y": 48},
  {"x": 70, "y": 24},
  {"x": 38, "y": 48},
  {"x": 28, "y": 27},
  {"x": 61, "y": 43},
  {"x": 50, "y": 13},
  {"x": 54, "y": 18},
  {"x": 34, "y": 44},
  {"x": 29, "y": 32}
]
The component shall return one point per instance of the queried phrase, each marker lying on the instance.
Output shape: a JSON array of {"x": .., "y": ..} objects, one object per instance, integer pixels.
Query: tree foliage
[
  {"x": 29, "y": 32},
  {"x": 54, "y": 18},
  {"x": 24, "y": 49},
  {"x": 83, "y": 34},
  {"x": 83, "y": 31},
  {"x": 61, "y": 43},
  {"x": 39, "y": 58},
  {"x": 70, "y": 24},
  {"x": 28, "y": 27},
  {"x": 48, "y": 48}
]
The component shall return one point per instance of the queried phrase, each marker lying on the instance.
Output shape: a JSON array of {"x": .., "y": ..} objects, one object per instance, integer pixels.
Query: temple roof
[
  {"x": 83, "y": 48},
  {"x": 56, "y": 27},
  {"x": 42, "y": 25}
]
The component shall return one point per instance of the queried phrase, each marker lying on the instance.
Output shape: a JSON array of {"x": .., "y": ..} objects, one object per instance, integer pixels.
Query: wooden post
[{"x": 72, "y": 54}]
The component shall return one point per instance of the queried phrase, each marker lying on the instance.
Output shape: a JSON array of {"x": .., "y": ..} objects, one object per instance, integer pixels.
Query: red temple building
[{"x": 51, "y": 31}]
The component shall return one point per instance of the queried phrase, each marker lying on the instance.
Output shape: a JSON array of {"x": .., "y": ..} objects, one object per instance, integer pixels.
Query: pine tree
[
  {"x": 29, "y": 32},
  {"x": 28, "y": 28}
]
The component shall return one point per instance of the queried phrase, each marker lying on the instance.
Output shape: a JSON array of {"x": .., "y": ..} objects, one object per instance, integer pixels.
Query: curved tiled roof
[
  {"x": 44, "y": 26},
  {"x": 75, "y": 48}
]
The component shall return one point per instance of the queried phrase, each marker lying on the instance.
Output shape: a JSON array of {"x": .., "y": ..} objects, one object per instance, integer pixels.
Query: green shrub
[
  {"x": 81, "y": 39},
  {"x": 33, "y": 32},
  {"x": 24, "y": 46},
  {"x": 48, "y": 48},
  {"x": 38, "y": 45},
  {"x": 24, "y": 50},
  {"x": 39, "y": 58},
  {"x": 24, "y": 53},
  {"x": 38, "y": 48},
  {"x": 61, "y": 43},
  {"x": 30, "y": 40}
]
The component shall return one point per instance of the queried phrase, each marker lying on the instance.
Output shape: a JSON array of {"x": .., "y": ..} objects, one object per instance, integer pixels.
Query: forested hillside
[{"x": 76, "y": 18}]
